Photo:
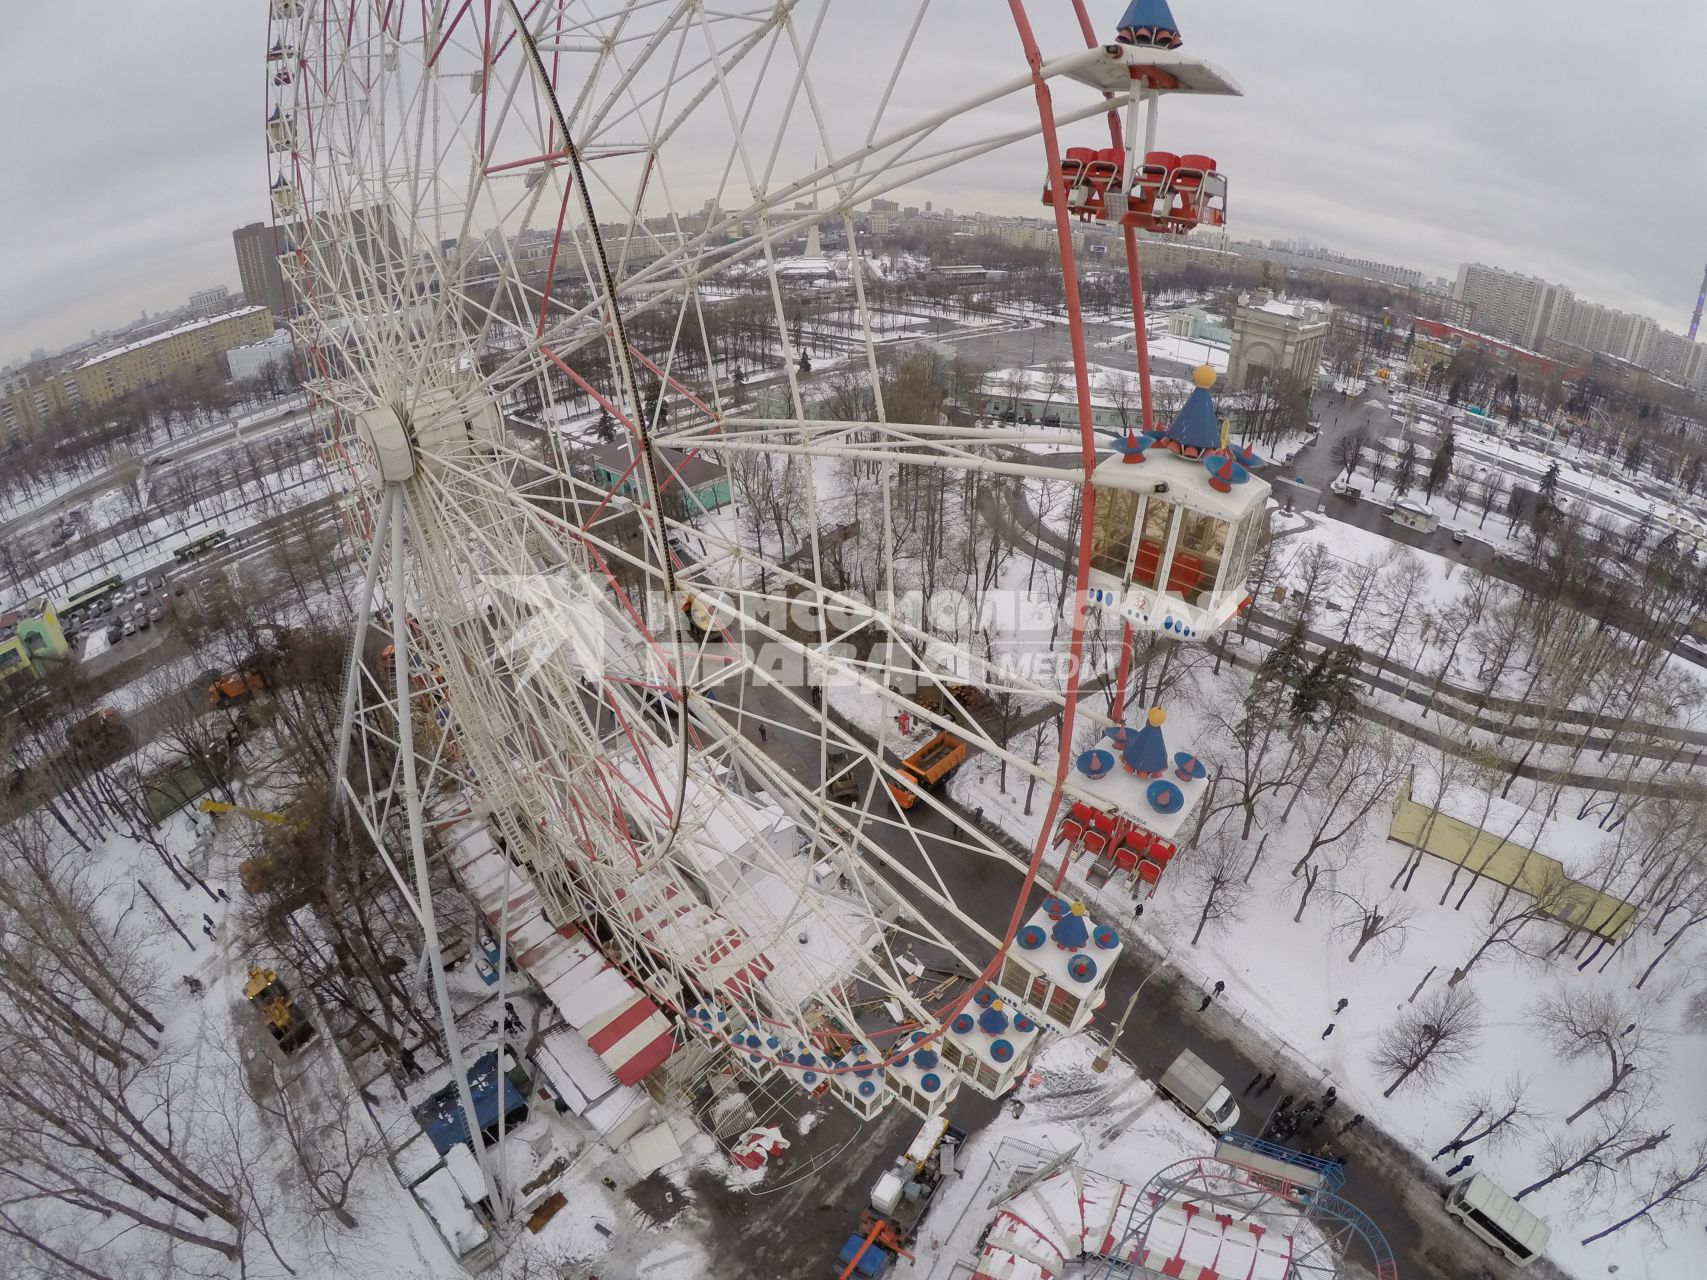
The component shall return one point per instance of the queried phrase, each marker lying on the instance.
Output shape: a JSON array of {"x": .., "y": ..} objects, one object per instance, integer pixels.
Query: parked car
[
  {"x": 142, "y": 623},
  {"x": 158, "y": 582},
  {"x": 129, "y": 627},
  {"x": 154, "y": 614},
  {"x": 115, "y": 633}
]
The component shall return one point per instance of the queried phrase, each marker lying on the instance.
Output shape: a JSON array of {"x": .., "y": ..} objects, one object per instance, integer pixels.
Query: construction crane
[
  {"x": 1700, "y": 302},
  {"x": 259, "y": 815},
  {"x": 252, "y": 873}
]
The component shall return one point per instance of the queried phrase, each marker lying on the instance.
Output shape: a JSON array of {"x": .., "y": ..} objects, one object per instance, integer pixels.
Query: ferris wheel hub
[{"x": 426, "y": 433}]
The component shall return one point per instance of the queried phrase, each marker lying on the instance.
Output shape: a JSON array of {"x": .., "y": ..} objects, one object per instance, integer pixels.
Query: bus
[
  {"x": 89, "y": 597},
  {"x": 201, "y": 546}
]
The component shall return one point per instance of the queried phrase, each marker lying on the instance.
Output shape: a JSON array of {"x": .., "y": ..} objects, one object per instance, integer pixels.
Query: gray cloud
[{"x": 1550, "y": 137}]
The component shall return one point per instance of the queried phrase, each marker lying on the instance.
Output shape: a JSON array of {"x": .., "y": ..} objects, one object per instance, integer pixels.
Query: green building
[
  {"x": 705, "y": 481},
  {"x": 29, "y": 636}
]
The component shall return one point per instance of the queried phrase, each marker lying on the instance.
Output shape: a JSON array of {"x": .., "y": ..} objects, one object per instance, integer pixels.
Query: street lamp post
[{"x": 1100, "y": 1064}]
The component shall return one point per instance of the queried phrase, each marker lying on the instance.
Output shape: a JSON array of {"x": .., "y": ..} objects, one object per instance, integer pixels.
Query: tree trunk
[{"x": 1603, "y": 1095}]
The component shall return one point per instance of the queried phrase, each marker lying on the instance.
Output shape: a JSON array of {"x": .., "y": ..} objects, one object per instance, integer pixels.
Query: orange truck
[
  {"x": 926, "y": 767},
  {"x": 234, "y": 687}
]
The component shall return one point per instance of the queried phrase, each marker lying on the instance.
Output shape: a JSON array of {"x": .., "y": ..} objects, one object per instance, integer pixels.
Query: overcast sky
[{"x": 1550, "y": 136}]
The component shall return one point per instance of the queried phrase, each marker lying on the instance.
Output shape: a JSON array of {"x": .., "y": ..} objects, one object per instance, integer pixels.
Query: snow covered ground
[{"x": 1294, "y": 1002}]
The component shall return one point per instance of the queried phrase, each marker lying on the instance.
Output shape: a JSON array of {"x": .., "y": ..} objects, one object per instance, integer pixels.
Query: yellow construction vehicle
[{"x": 271, "y": 999}]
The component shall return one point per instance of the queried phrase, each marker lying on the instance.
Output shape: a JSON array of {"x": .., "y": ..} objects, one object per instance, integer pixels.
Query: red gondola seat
[
  {"x": 1184, "y": 572},
  {"x": 1149, "y": 556}
]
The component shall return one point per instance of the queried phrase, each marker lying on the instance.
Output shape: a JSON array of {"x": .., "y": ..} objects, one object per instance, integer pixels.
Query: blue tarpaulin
[
  {"x": 441, "y": 1115},
  {"x": 873, "y": 1262}
]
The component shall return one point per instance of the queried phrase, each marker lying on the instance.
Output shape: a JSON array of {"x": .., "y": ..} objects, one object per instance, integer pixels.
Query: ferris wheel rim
[{"x": 1047, "y": 123}]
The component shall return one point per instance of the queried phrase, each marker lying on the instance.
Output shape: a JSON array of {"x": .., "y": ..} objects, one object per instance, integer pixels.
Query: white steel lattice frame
[{"x": 417, "y": 147}]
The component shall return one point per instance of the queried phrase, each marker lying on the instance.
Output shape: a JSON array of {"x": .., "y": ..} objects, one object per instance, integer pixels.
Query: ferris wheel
[{"x": 635, "y": 538}]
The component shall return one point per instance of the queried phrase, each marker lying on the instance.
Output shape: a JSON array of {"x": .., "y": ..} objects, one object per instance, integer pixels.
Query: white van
[{"x": 1498, "y": 1220}]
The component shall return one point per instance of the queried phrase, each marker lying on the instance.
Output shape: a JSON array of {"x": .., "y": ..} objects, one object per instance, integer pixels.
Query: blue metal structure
[
  {"x": 1332, "y": 1173},
  {"x": 1321, "y": 1228}
]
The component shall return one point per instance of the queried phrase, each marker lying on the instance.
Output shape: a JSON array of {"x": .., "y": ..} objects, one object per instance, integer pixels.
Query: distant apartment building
[
  {"x": 111, "y": 374},
  {"x": 1544, "y": 317},
  {"x": 212, "y": 302},
  {"x": 1522, "y": 310},
  {"x": 30, "y": 399},
  {"x": 1608, "y": 331},
  {"x": 1303, "y": 256},
  {"x": 258, "y": 247}
]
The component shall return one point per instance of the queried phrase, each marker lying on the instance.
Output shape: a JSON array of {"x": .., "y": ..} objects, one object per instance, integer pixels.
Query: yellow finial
[
  {"x": 1157, "y": 715},
  {"x": 996, "y": 1005},
  {"x": 1078, "y": 908},
  {"x": 1203, "y": 376}
]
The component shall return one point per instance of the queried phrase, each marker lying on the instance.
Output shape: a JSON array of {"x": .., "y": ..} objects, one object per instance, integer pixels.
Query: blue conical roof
[
  {"x": 1149, "y": 750},
  {"x": 1070, "y": 931},
  {"x": 1154, "y": 18},
  {"x": 1195, "y": 427}
]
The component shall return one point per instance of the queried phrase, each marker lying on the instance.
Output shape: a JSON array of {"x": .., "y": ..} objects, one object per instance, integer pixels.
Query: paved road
[{"x": 171, "y": 454}]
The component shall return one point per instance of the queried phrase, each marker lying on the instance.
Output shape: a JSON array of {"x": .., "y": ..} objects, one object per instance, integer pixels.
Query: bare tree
[
  {"x": 1599, "y": 1025},
  {"x": 1360, "y": 772},
  {"x": 1218, "y": 889},
  {"x": 1511, "y": 916},
  {"x": 1367, "y": 917},
  {"x": 322, "y": 1122},
  {"x": 1495, "y": 1119},
  {"x": 1427, "y": 1041},
  {"x": 1675, "y": 1186},
  {"x": 1595, "y": 1156}
]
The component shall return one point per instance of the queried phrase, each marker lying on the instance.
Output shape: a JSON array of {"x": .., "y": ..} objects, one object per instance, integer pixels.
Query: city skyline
[{"x": 1426, "y": 187}]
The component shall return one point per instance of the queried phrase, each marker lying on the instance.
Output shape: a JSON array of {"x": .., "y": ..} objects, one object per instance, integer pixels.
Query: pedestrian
[
  {"x": 1352, "y": 1123},
  {"x": 1219, "y": 987},
  {"x": 1328, "y": 1032},
  {"x": 763, "y": 735},
  {"x": 1340, "y": 1007},
  {"x": 1285, "y": 1104},
  {"x": 1138, "y": 912},
  {"x": 1450, "y": 1149},
  {"x": 1307, "y": 1108},
  {"x": 1329, "y": 1103},
  {"x": 817, "y": 696},
  {"x": 1255, "y": 1081},
  {"x": 1317, "y": 1122},
  {"x": 1267, "y": 1083},
  {"x": 1207, "y": 1001}
]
